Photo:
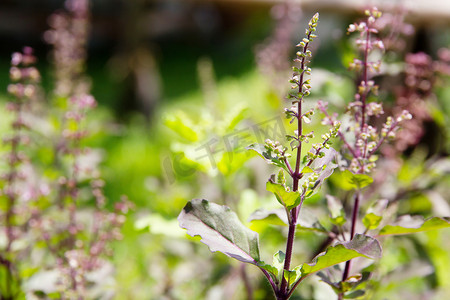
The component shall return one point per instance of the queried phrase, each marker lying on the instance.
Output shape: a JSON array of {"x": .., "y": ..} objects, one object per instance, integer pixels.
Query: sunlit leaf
[
  {"x": 156, "y": 224},
  {"x": 360, "y": 245},
  {"x": 371, "y": 221},
  {"x": 234, "y": 117},
  {"x": 273, "y": 217},
  {"x": 374, "y": 214},
  {"x": 306, "y": 170},
  {"x": 292, "y": 276},
  {"x": 355, "y": 181},
  {"x": 276, "y": 270},
  {"x": 336, "y": 210},
  {"x": 181, "y": 124},
  {"x": 220, "y": 229},
  {"x": 408, "y": 224},
  {"x": 289, "y": 199},
  {"x": 232, "y": 161}
]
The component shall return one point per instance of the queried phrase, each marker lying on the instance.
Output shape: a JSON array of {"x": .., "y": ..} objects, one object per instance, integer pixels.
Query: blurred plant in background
[
  {"x": 194, "y": 145},
  {"x": 56, "y": 242}
]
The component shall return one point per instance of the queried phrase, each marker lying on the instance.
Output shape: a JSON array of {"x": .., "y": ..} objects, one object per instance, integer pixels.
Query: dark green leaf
[
  {"x": 354, "y": 294},
  {"x": 220, "y": 229}
]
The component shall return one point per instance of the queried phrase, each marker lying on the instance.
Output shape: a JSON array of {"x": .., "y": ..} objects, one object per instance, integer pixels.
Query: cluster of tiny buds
[
  {"x": 366, "y": 87},
  {"x": 291, "y": 113},
  {"x": 311, "y": 181},
  {"x": 374, "y": 109},
  {"x": 276, "y": 148},
  {"x": 391, "y": 124},
  {"x": 372, "y": 15},
  {"x": 366, "y": 28},
  {"x": 23, "y": 75},
  {"x": 281, "y": 179},
  {"x": 301, "y": 86},
  {"x": 333, "y": 131},
  {"x": 357, "y": 65}
]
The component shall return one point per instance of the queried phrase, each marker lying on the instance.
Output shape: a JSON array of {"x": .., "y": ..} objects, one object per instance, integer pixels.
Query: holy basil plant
[
  {"x": 221, "y": 230},
  {"x": 301, "y": 175}
]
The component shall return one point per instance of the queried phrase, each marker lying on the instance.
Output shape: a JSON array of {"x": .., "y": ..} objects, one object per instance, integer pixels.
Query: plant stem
[
  {"x": 365, "y": 79},
  {"x": 362, "y": 156},
  {"x": 283, "y": 293},
  {"x": 352, "y": 232}
]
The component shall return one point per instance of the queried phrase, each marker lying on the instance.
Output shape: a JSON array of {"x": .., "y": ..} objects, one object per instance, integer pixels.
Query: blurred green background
[{"x": 174, "y": 77}]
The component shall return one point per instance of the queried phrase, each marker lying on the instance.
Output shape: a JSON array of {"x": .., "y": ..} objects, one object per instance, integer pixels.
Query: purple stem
[
  {"x": 352, "y": 232},
  {"x": 363, "y": 123}
]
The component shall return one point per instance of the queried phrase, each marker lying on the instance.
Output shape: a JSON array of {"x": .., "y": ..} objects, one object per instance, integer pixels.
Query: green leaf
[
  {"x": 306, "y": 170},
  {"x": 374, "y": 214},
  {"x": 181, "y": 124},
  {"x": 158, "y": 225},
  {"x": 289, "y": 199},
  {"x": 408, "y": 224},
  {"x": 271, "y": 269},
  {"x": 353, "y": 281},
  {"x": 354, "y": 294},
  {"x": 355, "y": 181},
  {"x": 273, "y": 217},
  {"x": 292, "y": 276},
  {"x": 336, "y": 209},
  {"x": 360, "y": 245},
  {"x": 234, "y": 117},
  {"x": 220, "y": 229},
  {"x": 269, "y": 156},
  {"x": 232, "y": 161},
  {"x": 278, "y": 263},
  {"x": 371, "y": 221},
  {"x": 276, "y": 269},
  {"x": 308, "y": 221}
]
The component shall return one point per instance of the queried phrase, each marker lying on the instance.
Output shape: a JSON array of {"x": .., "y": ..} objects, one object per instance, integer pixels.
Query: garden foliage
[
  {"x": 340, "y": 194},
  {"x": 362, "y": 136}
]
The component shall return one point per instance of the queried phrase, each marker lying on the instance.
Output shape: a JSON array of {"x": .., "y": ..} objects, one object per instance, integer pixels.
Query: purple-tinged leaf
[
  {"x": 220, "y": 229},
  {"x": 324, "y": 167},
  {"x": 322, "y": 163}
]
